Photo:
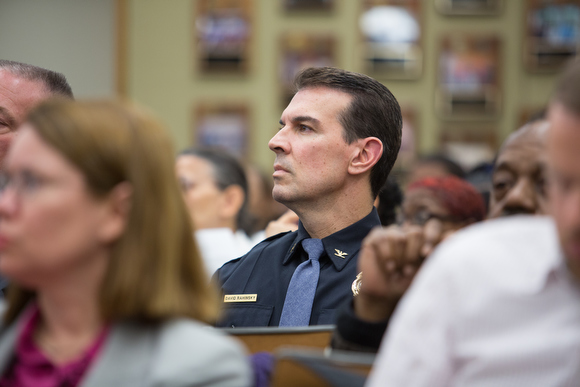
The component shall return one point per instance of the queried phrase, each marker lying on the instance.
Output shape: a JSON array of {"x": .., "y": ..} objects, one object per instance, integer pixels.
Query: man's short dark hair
[
  {"x": 373, "y": 112},
  {"x": 567, "y": 90},
  {"x": 55, "y": 83}
]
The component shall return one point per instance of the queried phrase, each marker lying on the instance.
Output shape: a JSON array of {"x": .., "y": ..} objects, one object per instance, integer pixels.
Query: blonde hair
[{"x": 155, "y": 271}]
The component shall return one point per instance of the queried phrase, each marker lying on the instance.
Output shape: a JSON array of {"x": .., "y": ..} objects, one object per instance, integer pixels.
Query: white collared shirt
[
  {"x": 493, "y": 306},
  {"x": 220, "y": 245}
]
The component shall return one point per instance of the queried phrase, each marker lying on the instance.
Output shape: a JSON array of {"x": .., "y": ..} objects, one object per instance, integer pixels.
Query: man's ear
[
  {"x": 116, "y": 210},
  {"x": 232, "y": 200},
  {"x": 367, "y": 153}
]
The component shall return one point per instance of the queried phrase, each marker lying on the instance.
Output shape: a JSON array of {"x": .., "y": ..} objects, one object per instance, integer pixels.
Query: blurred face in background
[
  {"x": 50, "y": 224},
  {"x": 421, "y": 205},
  {"x": 200, "y": 192},
  {"x": 450, "y": 202},
  {"x": 563, "y": 148},
  {"x": 17, "y": 97},
  {"x": 518, "y": 180}
]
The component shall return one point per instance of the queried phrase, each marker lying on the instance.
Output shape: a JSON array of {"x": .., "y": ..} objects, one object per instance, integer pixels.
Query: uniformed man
[{"x": 338, "y": 140}]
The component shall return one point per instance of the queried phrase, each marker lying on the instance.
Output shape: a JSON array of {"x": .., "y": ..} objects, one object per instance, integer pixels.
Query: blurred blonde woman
[{"x": 108, "y": 288}]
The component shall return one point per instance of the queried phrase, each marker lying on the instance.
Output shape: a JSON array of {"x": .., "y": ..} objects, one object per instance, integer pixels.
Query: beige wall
[
  {"x": 161, "y": 73},
  {"x": 74, "y": 37}
]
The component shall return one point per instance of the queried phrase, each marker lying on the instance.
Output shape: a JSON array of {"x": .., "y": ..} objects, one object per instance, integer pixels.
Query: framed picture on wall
[
  {"x": 552, "y": 34},
  {"x": 391, "y": 34},
  {"x": 307, "y": 5},
  {"x": 222, "y": 126},
  {"x": 299, "y": 51},
  {"x": 468, "y": 80},
  {"x": 469, "y": 144},
  {"x": 223, "y": 30},
  {"x": 469, "y": 7}
]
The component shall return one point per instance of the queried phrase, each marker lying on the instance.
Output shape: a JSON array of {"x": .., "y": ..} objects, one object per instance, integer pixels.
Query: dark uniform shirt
[{"x": 254, "y": 286}]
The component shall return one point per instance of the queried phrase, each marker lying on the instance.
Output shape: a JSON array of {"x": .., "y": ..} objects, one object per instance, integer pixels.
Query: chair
[
  {"x": 268, "y": 339},
  {"x": 306, "y": 367}
]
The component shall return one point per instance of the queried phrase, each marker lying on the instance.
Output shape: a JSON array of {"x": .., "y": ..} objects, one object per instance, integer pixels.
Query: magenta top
[{"x": 31, "y": 368}]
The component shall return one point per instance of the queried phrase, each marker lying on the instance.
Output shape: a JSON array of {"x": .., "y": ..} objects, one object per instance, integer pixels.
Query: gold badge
[
  {"x": 240, "y": 298},
  {"x": 340, "y": 254},
  {"x": 356, "y": 284}
]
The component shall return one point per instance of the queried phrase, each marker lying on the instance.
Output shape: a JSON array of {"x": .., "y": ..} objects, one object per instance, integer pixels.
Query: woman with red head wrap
[{"x": 451, "y": 200}]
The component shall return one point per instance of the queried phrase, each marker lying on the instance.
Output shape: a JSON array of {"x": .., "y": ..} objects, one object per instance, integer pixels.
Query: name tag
[{"x": 240, "y": 297}]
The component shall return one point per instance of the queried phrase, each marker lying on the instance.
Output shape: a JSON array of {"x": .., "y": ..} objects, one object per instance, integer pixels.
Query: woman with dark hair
[
  {"x": 107, "y": 286},
  {"x": 215, "y": 190}
]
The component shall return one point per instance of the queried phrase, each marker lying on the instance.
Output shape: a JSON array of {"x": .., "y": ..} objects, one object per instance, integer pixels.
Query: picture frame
[
  {"x": 469, "y": 7},
  {"x": 391, "y": 34},
  {"x": 469, "y": 77},
  {"x": 223, "y": 35},
  {"x": 552, "y": 34},
  {"x": 222, "y": 125},
  {"x": 299, "y": 51},
  {"x": 308, "y": 5}
]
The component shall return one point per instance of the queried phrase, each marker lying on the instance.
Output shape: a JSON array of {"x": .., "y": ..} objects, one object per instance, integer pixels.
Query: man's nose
[
  {"x": 279, "y": 143},
  {"x": 8, "y": 202}
]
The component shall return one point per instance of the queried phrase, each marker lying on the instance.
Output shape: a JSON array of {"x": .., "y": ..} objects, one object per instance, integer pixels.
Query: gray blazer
[{"x": 179, "y": 353}]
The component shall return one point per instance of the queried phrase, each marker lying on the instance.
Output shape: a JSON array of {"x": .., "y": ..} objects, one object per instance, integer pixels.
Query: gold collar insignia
[{"x": 340, "y": 254}]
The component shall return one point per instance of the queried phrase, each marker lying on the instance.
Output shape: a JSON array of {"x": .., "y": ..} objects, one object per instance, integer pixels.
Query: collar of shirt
[
  {"x": 341, "y": 246},
  {"x": 33, "y": 368}
]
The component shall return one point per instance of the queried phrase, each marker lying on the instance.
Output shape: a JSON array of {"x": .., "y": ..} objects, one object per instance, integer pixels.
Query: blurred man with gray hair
[{"x": 22, "y": 86}]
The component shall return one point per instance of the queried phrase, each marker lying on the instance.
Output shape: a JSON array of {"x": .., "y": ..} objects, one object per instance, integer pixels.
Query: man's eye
[
  {"x": 4, "y": 128},
  {"x": 30, "y": 182},
  {"x": 304, "y": 128},
  {"x": 5, "y": 180},
  {"x": 502, "y": 185}
]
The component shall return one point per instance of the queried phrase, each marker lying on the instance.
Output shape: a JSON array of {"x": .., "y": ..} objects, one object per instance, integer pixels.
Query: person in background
[
  {"x": 499, "y": 304},
  {"x": 107, "y": 287},
  {"x": 433, "y": 209},
  {"x": 518, "y": 177},
  {"x": 338, "y": 140},
  {"x": 22, "y": 86},
  {"x": 435, "y": 165},
  {"x": 215, "y": 190}
]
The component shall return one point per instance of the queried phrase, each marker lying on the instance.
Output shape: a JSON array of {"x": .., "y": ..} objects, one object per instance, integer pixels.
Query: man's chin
[{"x": 282, "y": 195}]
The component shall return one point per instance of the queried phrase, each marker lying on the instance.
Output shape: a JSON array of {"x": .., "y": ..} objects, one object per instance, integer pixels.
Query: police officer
[{"x": 338, "y": 140}]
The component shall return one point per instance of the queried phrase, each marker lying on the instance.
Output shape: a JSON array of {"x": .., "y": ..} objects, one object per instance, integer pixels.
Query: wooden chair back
[
  {"x": 306, "y": 367},
  {"x": 269, "y": 339}
]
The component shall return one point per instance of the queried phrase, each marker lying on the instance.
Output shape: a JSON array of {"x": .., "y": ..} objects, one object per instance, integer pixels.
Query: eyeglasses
[
  {"x": 25, "y": 183},
  {"x": 421, "y": 217}
]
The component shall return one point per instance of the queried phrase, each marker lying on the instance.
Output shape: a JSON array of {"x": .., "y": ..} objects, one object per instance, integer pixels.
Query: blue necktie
[{"x": 300, "y": 295}]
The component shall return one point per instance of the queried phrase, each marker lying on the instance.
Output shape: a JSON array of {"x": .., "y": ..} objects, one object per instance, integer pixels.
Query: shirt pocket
[
  {"x": 236, "y": 316},
  {"x": 326, "y": 316}
]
